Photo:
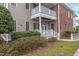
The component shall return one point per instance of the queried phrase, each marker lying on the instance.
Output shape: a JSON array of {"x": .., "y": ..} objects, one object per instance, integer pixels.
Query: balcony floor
[{"x": 43, "y": 15}]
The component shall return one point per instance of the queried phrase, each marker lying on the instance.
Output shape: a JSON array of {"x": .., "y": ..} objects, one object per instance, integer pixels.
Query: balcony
[{"x": 43, "y": 12}]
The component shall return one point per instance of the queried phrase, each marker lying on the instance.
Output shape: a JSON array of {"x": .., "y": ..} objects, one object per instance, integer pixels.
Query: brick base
[{"x": 64, "y": 35}]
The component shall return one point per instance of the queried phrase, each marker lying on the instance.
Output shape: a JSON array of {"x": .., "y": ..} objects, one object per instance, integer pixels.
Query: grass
[{"x": 60, "y": 48}]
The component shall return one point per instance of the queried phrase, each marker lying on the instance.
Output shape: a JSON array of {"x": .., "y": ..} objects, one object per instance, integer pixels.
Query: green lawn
[{"x": 60, "y": 48}]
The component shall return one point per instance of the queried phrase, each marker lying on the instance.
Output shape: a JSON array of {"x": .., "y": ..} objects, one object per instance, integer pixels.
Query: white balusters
[{"x": 43, "y": 10}]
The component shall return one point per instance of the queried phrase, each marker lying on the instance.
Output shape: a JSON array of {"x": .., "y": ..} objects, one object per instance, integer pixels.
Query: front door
[{"x": 44, "y": 29}]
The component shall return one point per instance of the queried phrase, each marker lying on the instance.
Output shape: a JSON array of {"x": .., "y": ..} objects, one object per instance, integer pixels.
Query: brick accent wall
[{"x": 66, "y": 20}]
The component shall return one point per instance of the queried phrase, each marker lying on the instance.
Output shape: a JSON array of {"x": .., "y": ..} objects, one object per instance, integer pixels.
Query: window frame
[
  {"x": 27, "y": 6},
  {"x": 35, "y": 26},
  {"x": 27, "y": 25}
]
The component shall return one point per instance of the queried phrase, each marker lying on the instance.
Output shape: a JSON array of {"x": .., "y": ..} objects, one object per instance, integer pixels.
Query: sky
[{"x": 74, "y": 7}]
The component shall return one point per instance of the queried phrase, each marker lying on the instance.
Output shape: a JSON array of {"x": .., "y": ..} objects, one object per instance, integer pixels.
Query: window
[
  {"x": 52, "y": 26},
  {"x": 36, "y": 26},
  {"x": 13, "y": 4},
  {"x": 27, "y": 5},
  {"x": 65, "y": 14},
  {"x": 27, "y": 25},
  {"x": 14, "y": 25},
  {"x": 34, "y": 5}
]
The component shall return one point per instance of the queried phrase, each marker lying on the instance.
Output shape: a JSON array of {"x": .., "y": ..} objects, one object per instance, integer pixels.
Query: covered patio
[{"x": 42, "y": 12}]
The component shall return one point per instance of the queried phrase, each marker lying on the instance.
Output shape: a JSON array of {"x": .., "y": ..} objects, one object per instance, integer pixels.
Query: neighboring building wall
[
  {"x": 66, "y": 19},
  {"x": 75, "y": 21}
]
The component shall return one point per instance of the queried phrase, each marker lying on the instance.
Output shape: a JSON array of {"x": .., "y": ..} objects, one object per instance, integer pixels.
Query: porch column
[
  {"x": 58, "y": 22},
  {"x": 40, "y": 24},
  {"x": 39, "y": 18}
]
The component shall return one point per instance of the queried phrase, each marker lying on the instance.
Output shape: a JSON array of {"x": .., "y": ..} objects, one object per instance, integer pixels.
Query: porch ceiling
[
  {"x": 44, "y": 16},
  {"x": 49, "y": 5},
  {"x": 44, "y": 19}
]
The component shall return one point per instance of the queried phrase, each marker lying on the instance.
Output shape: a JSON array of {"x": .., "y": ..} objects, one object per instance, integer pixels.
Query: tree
[{"x": 6, "y": 21}]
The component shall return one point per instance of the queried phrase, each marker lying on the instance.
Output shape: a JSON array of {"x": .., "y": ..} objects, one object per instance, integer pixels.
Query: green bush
[
  {"x": 16, "y": 35},
  {"x": 22, "y": 44},
  {"x": 53, "y": 39},
  {"x": 4, "y": 48},
  {"x": 6, "y": 20},
  {"x": 27, "y": 44}
]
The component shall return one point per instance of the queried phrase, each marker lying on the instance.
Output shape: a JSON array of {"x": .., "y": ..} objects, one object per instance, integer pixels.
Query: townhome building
[
  {"x": 75, "y": 21},
  {"x": 50, "y": 19}
]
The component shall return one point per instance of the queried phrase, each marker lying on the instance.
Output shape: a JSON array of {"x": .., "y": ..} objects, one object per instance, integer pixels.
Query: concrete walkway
[
  {"x": 69, "y": 40},
  {"x": 76, "y": 53}
]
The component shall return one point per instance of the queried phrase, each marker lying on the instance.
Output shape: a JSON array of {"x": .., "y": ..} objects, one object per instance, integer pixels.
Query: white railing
[
  {"x": 48, "y": 33},
  {"x": 44, "y": 10},
  {"x": 6, "y": 37}
]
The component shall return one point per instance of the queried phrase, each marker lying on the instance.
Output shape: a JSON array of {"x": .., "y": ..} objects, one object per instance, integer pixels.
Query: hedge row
[
  {"x": 52, "y": 39},
  {"x": 22, "y": 44},
  {"x": 16, "y": 35}
]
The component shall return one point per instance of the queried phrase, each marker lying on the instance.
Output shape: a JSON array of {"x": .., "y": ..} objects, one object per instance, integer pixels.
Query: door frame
[{"x": 44, "y": 26}]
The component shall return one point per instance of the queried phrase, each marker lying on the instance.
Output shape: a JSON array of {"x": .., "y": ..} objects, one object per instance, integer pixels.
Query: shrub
[
  {"x": 16, "y": 35},
  {"x": 13, "y": 53},
  {"x": 26, "y": 44},
  {"x": 53, "y": 39},
  {"x": 4, "y": 48},
  {"x": 1, "y": 54},
  {"x": 6, "y": 20}
]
